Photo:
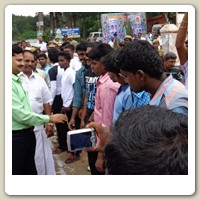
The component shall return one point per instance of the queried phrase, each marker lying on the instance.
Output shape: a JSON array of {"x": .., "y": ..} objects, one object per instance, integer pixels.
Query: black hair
[
  {"x": 110, "y": 62},
  {"x": 99, "y": 50},
  {"x": 66, "y": 55},
  {"x": 141, "y": 55},
  {"x": 92, "y": 44},
  {"x": 70, "y": 46},
  {"x": 65, "y": 44},
  {"x": 16, "y": 49},
  {"x": 169, "y": 55},
  {"x": 82, "y": 46},
  {"x": 148, "y": 141},
  {"x": 43, "y": 55},
  {"x": 53, "y": 54}
]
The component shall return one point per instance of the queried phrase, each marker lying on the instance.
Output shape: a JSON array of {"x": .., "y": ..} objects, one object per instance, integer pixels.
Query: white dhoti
[{"x": 43, "y": 154}]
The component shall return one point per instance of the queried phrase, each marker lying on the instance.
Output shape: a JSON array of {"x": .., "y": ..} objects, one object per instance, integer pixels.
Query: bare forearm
[
  {"x": 180, "y": 40},
  {"x": 47, "y": 109},
  {"x": 182, "y": 32}
]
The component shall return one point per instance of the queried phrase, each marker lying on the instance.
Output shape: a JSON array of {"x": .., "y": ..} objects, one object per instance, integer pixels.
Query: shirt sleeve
[
  {"x": 108, "y": 96},
  {"x": 77, "y": 100},
  {"x": 26, "y": 116},
  {"x": 53, "y": 77},
  {"x": 46, "y": 93},
  {"x": 68, "y": 90}
]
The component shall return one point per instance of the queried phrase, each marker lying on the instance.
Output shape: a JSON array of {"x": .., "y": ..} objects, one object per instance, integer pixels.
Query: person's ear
[{"x": 140, "y": 75}]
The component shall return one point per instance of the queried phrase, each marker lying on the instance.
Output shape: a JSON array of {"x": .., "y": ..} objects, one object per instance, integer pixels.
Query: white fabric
[
  {"x": 55, "y": 86},
  {"x": 43, "y": 154},
  {"x": 67, "y": 89},
  {"x": 38, "y": 91},
  {"x": 39, "y": 95},
  {"x": 75, "y": 63},
  {"x": 111, "y": 43},
  {"x": 43, "y": 46}
]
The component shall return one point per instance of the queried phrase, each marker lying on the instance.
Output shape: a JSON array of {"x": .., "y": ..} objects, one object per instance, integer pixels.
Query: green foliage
[
  {"x": 25, "y": 27},
  {"x": 28, "y": 35},
  {"x": 89, "y": 24}
]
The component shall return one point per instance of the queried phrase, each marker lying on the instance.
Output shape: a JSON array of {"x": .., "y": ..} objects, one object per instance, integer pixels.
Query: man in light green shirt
[{"x": 23, "y": 120}]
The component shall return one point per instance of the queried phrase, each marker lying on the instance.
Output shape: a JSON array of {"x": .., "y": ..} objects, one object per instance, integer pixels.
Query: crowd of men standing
[{"x": 104, "y": 86}]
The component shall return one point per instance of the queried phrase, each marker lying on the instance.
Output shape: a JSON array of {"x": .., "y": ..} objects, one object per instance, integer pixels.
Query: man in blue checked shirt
[{"x": 126, "y": 98}]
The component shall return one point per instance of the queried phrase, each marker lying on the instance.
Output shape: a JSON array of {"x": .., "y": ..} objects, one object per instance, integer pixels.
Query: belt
[{"x": 24, "y": 130}]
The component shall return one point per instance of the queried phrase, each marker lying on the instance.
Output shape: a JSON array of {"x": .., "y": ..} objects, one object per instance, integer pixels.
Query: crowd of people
[{"x": 136, "y": 100}]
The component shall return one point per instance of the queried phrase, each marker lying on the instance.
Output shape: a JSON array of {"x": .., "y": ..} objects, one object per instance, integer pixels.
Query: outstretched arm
[{"x": 180, "y": 40}]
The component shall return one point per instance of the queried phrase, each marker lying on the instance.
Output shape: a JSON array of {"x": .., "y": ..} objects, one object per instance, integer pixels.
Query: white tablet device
[{"x": 81, "y": 139}]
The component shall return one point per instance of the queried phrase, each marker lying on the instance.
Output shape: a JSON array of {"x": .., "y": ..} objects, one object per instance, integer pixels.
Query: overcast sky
[{"x": 26, "y": 12}]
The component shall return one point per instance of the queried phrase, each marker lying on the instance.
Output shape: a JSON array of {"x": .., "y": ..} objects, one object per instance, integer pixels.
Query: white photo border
[{"x": 100, "y": 185}]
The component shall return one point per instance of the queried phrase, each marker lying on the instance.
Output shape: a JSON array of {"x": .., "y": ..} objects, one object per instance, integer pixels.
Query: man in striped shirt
[{"x": 141, "y": 66}]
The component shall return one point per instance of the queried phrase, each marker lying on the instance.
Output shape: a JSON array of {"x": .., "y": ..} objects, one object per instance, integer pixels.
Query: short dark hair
[
  {"x": 65, "y": 44},
  {"x": 169, "y": 55},
  {"x": 65, "y": 55},
  {"x": 92, "y": 44},
  {"x": 148, "y": 141},
  {"x": 53, "y": 54},
  {"x": 141, "y": 55},
  {"x": 16, "y": 49},
  {"x": 43, "y": 55},
  {"x": 110, "y": 62},
  {"x": 82, "y": 46},
  {"x": 70, "y": 46},
  {"x": 100, "y": 50}
]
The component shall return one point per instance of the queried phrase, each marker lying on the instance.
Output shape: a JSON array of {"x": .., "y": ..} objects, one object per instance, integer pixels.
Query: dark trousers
[
  {"x": 23, "y": 152},
  {"x": 92, "y": 158},
  {"x": 62, "y": 133},
  {"x": 56, "y": 107}
]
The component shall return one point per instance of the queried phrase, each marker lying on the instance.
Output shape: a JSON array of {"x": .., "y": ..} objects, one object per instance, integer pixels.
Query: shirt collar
[
  {"x": 31, "y": 76},
  {"x": 104, "y": 78},
  {"x": 138, "y": 94},
  {"x": 16, "y": 78}
]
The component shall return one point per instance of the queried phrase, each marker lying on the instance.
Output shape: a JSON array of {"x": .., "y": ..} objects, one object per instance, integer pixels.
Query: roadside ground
[{"x": 78, "y": 167}]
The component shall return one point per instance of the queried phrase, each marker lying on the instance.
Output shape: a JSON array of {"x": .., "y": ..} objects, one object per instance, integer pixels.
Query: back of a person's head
[
  {"x": 148, "y": 141},
  {"x": 16, "y": 49},
  {"x": 169, "y": 55},
  {"x": 82, "y": 46},
  {"x": 110, "y": 62},
  {"x": 141, "y": 55},
  {"x": 64, "y": 44},
  {"x": 99, "y": 51},
  {"x": 53, "y": 54},
  {"x": 92, "y": 44}
]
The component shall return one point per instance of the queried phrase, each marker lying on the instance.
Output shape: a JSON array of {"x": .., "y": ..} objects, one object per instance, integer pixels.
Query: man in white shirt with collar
[
  {"x": 75, "y": 63},
  {"x": 40, "y": 100},
  {"x": 41, "y": 44},
  {"x": 67, "y": 92}
]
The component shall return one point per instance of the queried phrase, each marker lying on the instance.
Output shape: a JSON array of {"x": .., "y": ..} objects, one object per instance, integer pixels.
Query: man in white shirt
[
  {"x": 41, "y": 44},
  {"x": 55, "y": 75},
  {"x": 75, "y": 63},
  {"x": 67, "y": 92},
  {"x": 40, "y": 100}
]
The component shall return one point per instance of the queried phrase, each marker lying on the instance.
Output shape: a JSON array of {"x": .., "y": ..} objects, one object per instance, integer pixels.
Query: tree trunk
[{"x": 51, "y": 22}]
